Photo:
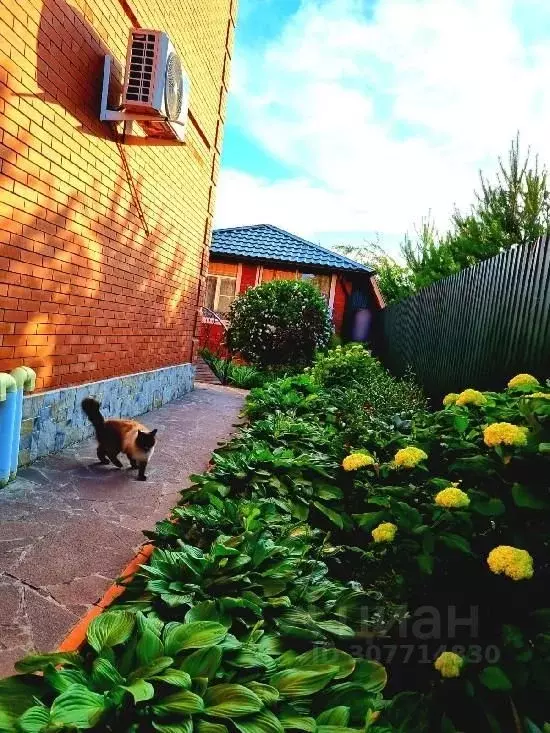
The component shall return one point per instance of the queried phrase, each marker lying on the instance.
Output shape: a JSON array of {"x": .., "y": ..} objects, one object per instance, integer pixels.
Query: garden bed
[{"x": 351, "y": 561}]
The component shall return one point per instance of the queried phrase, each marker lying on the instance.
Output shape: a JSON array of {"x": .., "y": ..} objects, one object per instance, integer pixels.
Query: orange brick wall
[{"x": 102, "y": 246}]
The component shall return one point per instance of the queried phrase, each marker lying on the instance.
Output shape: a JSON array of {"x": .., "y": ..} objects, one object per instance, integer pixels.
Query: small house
[{"x": 243, "y": 257}]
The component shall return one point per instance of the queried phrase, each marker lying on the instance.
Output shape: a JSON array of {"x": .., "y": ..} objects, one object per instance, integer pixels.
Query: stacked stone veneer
[{"x": 54, "y": 420}]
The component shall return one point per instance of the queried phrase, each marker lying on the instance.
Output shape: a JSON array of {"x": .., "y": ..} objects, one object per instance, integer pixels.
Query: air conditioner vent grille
[{"x": 140, "y": 76}]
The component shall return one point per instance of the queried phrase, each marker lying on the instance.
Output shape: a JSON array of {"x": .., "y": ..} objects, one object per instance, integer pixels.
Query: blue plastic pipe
[
  {"x": 8, "y": 399},
  {"x": 25, "y": 379}
]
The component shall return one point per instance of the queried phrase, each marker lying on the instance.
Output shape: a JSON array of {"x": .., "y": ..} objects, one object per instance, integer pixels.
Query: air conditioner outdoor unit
[{"x": 155, "y": 84}]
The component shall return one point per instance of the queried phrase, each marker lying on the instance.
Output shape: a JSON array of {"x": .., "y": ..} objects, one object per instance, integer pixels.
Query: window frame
[{"x": 236, "y": 278}]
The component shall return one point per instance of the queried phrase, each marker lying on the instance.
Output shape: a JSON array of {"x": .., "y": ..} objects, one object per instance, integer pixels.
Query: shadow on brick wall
[{"x": 69, "y": 67}]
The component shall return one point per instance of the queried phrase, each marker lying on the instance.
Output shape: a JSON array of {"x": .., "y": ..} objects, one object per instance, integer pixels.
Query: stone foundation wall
[{"x": 53, "y": 420}]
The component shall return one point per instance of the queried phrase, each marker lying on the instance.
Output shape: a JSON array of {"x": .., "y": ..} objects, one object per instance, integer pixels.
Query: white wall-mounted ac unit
[{"x": 155, "y": 84}]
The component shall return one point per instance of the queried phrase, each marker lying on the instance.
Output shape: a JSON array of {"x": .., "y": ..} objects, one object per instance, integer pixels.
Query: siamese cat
[{"x": 120, "y": 436}]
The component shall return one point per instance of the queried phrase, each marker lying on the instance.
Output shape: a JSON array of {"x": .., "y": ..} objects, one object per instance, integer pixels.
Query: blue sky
[{"x": 351, "y": 119}]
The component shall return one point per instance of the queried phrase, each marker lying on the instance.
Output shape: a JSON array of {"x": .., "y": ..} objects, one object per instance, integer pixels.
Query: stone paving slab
[{"x": 68, "y": 526}]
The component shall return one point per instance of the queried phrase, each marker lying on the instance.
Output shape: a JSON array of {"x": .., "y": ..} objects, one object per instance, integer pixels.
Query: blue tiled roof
[{"x": 264, "y": 242}]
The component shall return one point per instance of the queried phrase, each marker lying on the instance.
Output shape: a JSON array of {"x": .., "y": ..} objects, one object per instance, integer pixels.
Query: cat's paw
[{"x": 142, "y": 478}]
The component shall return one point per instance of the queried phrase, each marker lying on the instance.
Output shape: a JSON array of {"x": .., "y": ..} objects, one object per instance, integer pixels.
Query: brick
[{"x": 78, "y": 263}]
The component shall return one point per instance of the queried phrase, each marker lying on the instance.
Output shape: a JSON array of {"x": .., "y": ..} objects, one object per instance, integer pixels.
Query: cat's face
[{"x": 146, "y": 441}]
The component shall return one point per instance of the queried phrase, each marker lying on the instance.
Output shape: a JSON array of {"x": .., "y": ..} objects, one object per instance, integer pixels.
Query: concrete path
[{"x": 68, "y": 528}]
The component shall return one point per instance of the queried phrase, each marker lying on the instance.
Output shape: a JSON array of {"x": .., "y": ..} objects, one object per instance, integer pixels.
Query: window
[
  {"x": 322, "y": 282},
  {"x": 221, "y": 286},
  {"x": 220, "y": 293}
]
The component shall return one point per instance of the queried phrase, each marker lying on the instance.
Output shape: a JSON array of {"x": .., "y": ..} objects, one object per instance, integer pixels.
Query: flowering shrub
[
  {"x": 279, "y": 323},
  {"x": 304, "y": 553}
]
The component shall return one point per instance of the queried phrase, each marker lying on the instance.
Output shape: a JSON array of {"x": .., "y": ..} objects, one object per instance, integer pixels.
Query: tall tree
[{"x": 513, "y": 210}]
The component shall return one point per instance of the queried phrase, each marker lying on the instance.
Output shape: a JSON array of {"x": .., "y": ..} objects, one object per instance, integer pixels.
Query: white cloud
[{"x": 386, "y": 118}]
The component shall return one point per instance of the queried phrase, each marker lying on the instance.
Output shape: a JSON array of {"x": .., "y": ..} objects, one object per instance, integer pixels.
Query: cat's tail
[{"x": 93, "y": 413}]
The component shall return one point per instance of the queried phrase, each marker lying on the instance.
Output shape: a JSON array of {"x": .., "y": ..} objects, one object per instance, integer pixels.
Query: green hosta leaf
[
  {"x": 182, "y": 702},
  {"x": 61, "y": 680},
  {"x": 206, "y": 611},
  {"x": 78, "y": 707},
  {"x": 231, "y": 701},
  {"x": 184, "y": 726},
  {"x": 149, "y": 647},
  {"x": 334, "y": 517},
  {"x": 150, "y": 670},
  {"x": 303, "y": 682},
  {"x": 196, "y": 635},
  {"x": 494, "y": 678},
  {"x": 336, "y": 628},
  {"x": 344, "y": 663},
  {"x": 335, "y": 729},
  {"x": 489, "y": 508},
  {"x": 264, "y": 722},
  {"x": 526, "y": 499},
  {"x": 204, "y": 726},
  {"x": 335, "y": 716},
  {"x": 544, "y": 447},
  {"x": 110, "y": 628},
  {"x": 199, "y": 686},
  {"x": 371, "y": 675},
  {"x": 175, "y": 677},
  {"x": 104, "y": 675},
  {"x": 34, "y": 720},
  {"x": 140, "y": 690},
  {"x": 299, "y": 632},
  {"x": 203, "y": 662},
  {"x": 266, "y": 693},
  {"x": 456, "y": 542},
  {"x": 17, "y": 696},
  {"x": 37, "y": 662},
  {"x": 291, "y": 722}
]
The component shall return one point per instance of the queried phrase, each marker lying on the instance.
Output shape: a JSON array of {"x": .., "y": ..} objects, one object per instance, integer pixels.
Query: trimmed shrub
[{"x": 280, "y": 323}]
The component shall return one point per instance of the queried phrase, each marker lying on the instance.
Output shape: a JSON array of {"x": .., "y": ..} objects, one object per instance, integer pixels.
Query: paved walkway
[{"x": 67, "y": 527}]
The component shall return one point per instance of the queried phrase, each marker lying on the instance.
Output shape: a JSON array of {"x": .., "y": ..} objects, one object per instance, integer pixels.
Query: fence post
[
  {"x": 25, "y": 379},
  {"x": 8, "y": 399}
]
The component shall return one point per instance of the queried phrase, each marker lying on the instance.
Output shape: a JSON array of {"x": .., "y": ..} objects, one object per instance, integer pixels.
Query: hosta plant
[{"x": 140, "y": 675}]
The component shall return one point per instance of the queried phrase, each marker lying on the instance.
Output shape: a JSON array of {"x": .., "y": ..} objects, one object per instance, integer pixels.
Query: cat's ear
[
  {"x": 141, "y": 433},
  {"x": 153, "y": 432}
]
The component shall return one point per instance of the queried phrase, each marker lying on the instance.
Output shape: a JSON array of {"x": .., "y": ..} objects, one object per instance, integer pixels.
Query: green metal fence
[{"x": 477, "y": 328}]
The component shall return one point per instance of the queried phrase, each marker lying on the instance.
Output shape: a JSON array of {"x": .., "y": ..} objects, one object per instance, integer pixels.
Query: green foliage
[
  {"x": 172, "y": 677},
  {"x": 280, "y": 323},
  {"x": 273, "y": 581},
  {"x": 243, "y": 376},
  {"x": 355, "y": 371},
  {"x": 512, "y": 210}
]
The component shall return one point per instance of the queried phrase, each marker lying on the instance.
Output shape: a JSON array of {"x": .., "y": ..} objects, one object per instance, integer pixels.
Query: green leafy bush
[
  {"x": 280, "y": 323},
  {"x": 353, "y": 369}
]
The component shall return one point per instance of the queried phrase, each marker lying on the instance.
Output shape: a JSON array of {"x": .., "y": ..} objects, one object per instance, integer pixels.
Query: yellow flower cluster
[
  {"x": 514, "y": 563},
  {"x": 385, "y": 532},
  {"x": 523, "y": 380},
  {"x": 449, "y": 664},
  {"x": 450, "y": 399},
  {"x": 504, "y": 433},
  {"x": 452, "y": 498},
  {"x": 471, "y": 397},
  {"x": 540, "y": 396},
  {"x": 357, "y": 460},
  {"x": 409, "y": 457}
]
